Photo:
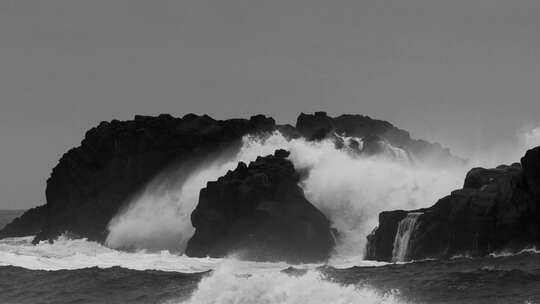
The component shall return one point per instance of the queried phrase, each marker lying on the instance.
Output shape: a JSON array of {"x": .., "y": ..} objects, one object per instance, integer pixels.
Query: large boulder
[
  {"x": 92, "y": 182},
  {"x": 497, "y": 209},
  {"x": 259, "y": 212}
]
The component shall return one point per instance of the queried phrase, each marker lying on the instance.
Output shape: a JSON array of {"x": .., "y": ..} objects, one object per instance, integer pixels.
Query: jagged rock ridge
[{"x": 320, "y": 125}]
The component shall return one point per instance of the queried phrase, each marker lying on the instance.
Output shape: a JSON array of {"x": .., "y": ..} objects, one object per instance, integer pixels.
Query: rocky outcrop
[
  {"x": 91, "y": 182},
  {"x": 28, "y": 224},
  {"x": 381, "y": 241},
  {"x": 116, "y": 159},
  {"x": 260, "y": 213},
  {"x": 319, "y": 126},
  {"x": 497, "y": 209}
]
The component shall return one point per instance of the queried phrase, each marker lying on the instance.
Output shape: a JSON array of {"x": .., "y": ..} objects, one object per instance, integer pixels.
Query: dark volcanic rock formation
[
  {"x": 497, "y": 209},
  {"x": 379, "y": 245},
  {"x": 260, "y": 213},
  {"x": 320, "y": 125},
  {"x": 92, "y": 181},
  {"x": 116, "y": 159}
]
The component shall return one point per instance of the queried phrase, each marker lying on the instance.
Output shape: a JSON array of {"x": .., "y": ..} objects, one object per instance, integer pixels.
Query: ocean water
[
  {"x": 6, "y": 216},
  {"x": 78, "y": 271}
]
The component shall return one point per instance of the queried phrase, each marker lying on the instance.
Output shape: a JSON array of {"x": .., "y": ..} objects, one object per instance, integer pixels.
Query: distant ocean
[{"x": 6, "y": 216}]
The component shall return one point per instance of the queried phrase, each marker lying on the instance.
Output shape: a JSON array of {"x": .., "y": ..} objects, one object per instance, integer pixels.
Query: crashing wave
[
  {"x": 65, "y": 253},
  {"x": 350, "y": 189},
  {"x": 225, "y": 285}
]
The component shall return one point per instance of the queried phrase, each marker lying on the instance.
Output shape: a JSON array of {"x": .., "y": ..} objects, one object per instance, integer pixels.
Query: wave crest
[{"x": 226, "y": 286}]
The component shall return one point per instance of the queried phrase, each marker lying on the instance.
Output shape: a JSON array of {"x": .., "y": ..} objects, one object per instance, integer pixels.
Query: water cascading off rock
[{"x": 403, "y": 236}]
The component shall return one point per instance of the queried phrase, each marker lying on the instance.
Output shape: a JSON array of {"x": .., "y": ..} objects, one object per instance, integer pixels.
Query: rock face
[
  {"x": 91, "y": 182},
  {"x": 260, "y": 213},
  {"x": 320, "y": 125},
  {"x": 497, "y": 209},
  {"x": 379, "y": 245}
]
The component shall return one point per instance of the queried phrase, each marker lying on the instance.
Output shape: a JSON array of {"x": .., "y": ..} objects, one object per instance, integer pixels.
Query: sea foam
[
  {"x": 65, "y": 253},
  {"x": 226, "y": 286}
]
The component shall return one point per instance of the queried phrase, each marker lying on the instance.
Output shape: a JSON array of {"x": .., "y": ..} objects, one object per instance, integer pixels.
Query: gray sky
[{"x": 465, "y": 73}]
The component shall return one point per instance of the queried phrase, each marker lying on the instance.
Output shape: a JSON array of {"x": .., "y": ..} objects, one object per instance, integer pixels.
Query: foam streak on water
[
  {"x": 66, "y": 253},
  {"x": 76, "y": 254}
]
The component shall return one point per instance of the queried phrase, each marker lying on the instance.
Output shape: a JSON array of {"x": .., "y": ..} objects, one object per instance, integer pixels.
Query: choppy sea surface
[{"x": 79, "y": 271}]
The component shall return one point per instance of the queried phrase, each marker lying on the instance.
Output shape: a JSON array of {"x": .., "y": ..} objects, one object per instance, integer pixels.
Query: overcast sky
[{"x": 465, "y": 73}]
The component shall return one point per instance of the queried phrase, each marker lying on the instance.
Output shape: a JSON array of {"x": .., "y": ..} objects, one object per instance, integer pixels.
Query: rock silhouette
[
  {"x": 320, "y": 125},
  {"x": 260, "y": 213}
]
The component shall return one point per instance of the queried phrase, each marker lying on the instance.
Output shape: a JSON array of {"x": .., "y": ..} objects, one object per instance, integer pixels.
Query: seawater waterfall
[{"x": 403, "y": 236}]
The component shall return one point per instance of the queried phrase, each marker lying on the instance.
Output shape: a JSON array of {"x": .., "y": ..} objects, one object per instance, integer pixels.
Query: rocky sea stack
[{"x": 260, "y": 213}]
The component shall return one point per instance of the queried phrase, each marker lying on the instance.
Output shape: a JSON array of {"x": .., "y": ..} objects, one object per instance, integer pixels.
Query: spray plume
[{"x": 349, "y": 188}]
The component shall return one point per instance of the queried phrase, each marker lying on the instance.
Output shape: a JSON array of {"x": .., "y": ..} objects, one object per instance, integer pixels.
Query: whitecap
[{"x": 226, "y": 286}]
